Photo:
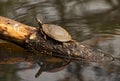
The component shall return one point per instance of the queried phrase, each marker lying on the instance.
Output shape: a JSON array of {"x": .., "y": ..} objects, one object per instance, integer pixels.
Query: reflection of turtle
[
  {"x": 50, "y": 64},
  {"x": 53, "y": 31}
]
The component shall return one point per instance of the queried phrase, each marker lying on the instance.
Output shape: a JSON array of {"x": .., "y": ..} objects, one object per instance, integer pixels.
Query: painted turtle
[
  {"x": 54, "y": 31},
  {"x": 59, "y": 34}
]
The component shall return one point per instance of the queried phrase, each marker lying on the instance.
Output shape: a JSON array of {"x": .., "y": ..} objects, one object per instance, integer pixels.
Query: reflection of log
[
  {"x": 32, "y": 40},
  {"x": 10, "y": 54}
]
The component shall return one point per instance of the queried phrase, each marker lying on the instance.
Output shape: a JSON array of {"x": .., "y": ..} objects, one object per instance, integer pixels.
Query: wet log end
[{"x": 14, "y": 31}]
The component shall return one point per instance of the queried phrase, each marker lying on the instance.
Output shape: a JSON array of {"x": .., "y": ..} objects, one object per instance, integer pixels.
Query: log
[
  {"x": 32, "y": 40},
  {"x": 14, "y": 31}
]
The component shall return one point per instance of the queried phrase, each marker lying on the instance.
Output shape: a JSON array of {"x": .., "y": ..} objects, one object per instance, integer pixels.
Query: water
[{"x": 94, "y": 22}]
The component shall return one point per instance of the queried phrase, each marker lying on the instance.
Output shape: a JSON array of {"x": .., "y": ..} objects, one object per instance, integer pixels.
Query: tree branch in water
[{"x": 31, "y": 39}]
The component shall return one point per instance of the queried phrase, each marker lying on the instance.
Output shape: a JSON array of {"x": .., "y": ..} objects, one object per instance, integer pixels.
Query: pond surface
[{"x": 93, "y": 22}]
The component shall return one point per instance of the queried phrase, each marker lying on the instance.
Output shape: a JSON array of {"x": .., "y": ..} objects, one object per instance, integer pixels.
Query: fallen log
[{"x": 32, "y": 40}]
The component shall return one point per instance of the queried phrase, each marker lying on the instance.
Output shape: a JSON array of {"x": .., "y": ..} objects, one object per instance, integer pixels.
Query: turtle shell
[{"x": 56, "y": 32}]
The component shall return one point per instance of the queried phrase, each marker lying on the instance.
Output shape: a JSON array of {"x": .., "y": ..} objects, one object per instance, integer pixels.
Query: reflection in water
[{"x": 95, "y": 22}]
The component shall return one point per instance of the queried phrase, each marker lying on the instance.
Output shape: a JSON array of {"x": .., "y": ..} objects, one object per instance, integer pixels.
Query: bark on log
[
  {"x": 14, "y": 31},
  {"x": 32, "y": 40}
]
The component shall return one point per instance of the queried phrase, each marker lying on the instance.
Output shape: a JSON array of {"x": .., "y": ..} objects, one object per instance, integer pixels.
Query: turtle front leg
[{"x": 44, "y": 36}]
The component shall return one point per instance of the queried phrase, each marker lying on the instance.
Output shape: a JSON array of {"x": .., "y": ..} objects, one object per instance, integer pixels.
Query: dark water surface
[{"x": 94, "y": 22}]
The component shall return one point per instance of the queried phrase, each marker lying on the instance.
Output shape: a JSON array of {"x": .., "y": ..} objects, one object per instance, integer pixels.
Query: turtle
[
  {"x": 59, "y": 34},
  {"x": 54, "y": 31}
]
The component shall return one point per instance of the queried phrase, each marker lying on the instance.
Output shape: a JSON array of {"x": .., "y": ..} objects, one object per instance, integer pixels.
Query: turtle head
[{"x": 39, "y": 21}]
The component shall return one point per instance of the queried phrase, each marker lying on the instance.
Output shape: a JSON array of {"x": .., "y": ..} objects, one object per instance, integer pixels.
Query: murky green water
[{"x": 94, "y": 22}]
